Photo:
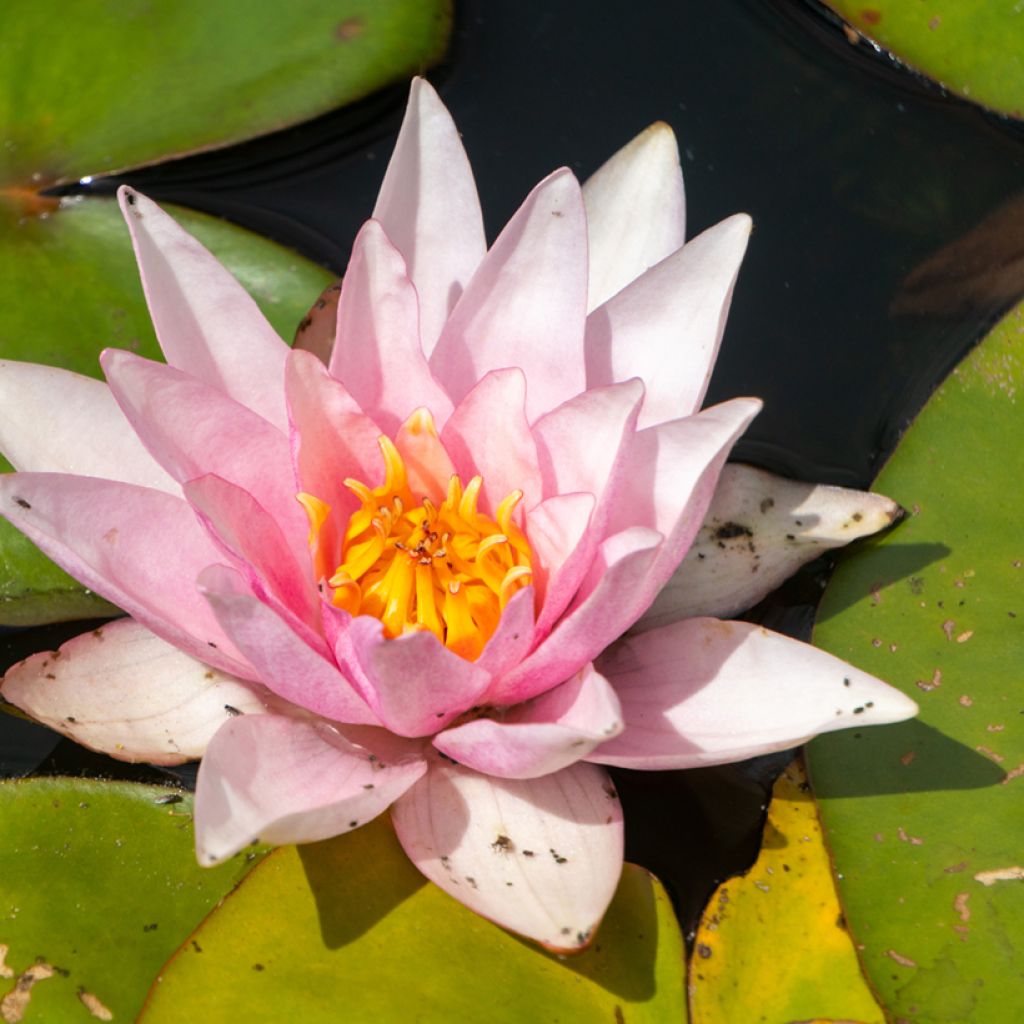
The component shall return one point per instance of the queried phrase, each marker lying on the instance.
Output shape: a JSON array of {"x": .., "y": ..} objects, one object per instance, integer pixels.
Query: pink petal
[
  {"x": 541, "y": 857},
  {"x": 488, "y": 434},
  {"x": 430, "y": 210},
  {"x": 665, "y": 327},
  {"x": 377, "y": 353},
  {"x": 561, "y": 535},
  {"x": 704, "y": 692},
  {"x": 140, "y": 549},
  {"x": 253, "y": 540},
  {"x": 636, "y": 211},
  {"x": 428, "y": 465},
  {"x": 541, "y": 736},
  {"x": 287, "y": 664},
  {"x": 622, "y": 565},
  {"x": 526, "y": 303},
  {"x": 56, "y": 421},
  {"x": 127, "y": 693},
  {"x": 513, "y": 638},
  {"x": 759, "y": 530},
  {"x": 673, "y": 471},
  {"x": 331, "y": 436},
  {"x": 273, "y": 779},
  {"x": 193, "y": 429},
  {"x": 414, "y": 684},
  {"x": 206, "y": 322}
]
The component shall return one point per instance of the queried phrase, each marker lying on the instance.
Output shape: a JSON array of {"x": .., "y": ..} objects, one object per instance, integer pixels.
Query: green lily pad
[
  {"x": 100, "y": 885},
  {"x": 93, "y": 86},
  {"x": 348, "y": 929},
  {"x": 924, "y": 819},
  {"x": 975, "y": 48},
  {"x": 70, "y": 289}
]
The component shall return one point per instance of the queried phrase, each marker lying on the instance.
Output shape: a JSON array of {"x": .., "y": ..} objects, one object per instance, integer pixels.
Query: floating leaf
[
  {"x": 974, "y": 48},
  {"x": 100, "y": 885},
  {"x": 93, "y": 86},
  {"x": 924, "y": 819},
  {"x": 772, "y": 946},
  {"x": 77, "y": 266},
  {"x": 349, "y": 927}
]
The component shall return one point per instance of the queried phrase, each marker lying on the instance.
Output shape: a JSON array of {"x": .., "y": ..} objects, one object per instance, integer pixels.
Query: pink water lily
[{"x": 401, "y": 579}]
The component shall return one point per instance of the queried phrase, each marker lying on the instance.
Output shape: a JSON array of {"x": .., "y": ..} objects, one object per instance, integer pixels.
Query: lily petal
[
  {"x": 428, "y": 465},
  {"x": 541, "y": 736},
  {"x": 429, "y": 207},
  {"x": 541, "y": 857},
  {"x": 140, "y": 549},
  {"x": 123, "y": 691},
  {"x": 290, "y": 666},
  {"x": 703, "y": 691},
  {"x": 56, "y": 421},
  {"x": 667, "y": 325},
  {"x": 636, "y": 211},
  {"x": 207, "y": 323},
  {"x": 414, "y": 684},
  {"x": 526, "y": 304},
  {"x": 377, "y": 353},
  {"x": 759, "y": 530},
  {"x": 275, "y": 779}
]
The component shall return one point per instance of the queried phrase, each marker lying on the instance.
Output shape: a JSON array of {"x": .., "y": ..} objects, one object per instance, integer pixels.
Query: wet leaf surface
[
  {"x": 99, "y": 886},
  {"x": 366, "y": 932},
  {"x": 924, "y": 819}
]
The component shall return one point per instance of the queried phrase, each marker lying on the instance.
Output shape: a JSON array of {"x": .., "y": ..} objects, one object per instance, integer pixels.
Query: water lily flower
[{"x": 404, "y": 579}]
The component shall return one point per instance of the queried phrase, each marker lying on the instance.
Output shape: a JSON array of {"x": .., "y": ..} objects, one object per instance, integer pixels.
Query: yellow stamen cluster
[{"x": 445, "y": 568}]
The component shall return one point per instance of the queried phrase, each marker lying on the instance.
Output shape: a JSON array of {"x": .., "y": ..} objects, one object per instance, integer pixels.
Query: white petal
[
  {"x": 636, "y": 211},
  {"x": 127, "y": 693},
  {"x": 541, "y": 857},
  {"x": 759, "y": 530}
]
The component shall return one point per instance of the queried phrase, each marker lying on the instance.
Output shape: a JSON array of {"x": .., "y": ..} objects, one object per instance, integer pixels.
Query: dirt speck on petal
[
  {"x": 12, "y": 1007},
  {"x": 94, "y": 1006}
]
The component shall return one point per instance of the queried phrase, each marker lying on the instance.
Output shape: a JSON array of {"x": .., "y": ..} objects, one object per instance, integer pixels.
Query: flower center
[{"x": 446, "y": 567}]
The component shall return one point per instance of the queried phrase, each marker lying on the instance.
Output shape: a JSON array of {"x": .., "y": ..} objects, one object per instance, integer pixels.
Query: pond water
[{"x": 855, "y": 171}]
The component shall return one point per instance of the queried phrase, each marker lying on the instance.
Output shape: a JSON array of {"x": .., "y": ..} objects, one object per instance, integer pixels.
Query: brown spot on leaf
[
  {"x": 903, "y": 961},
  {"x": 960, "y": 905},
  {"x": 12, "y": 1007},
  {"x": 94, "y": 1006},
  {"x": 349, "y": 29}
]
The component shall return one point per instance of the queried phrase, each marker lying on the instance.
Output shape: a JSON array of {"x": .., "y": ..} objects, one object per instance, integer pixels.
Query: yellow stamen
[{"x": 447, "y": 568}]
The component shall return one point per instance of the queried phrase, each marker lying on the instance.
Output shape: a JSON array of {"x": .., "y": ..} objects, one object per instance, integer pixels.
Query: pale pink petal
[
  {"x": 430, "y": 210},
  {"x": 541, "y": 857},
  {"x": 526, "y": 304},
  {"x": 206, "y": 322},
  {"x": 636, "y": 211},
  {"x": 275, "y": 779},
  {"x": 193, "y": 429},
  {"x": 254, "y": 542},
  {"x": 513, "y": 638},
  {"x": 488, "y": 435},
  {"x": 759, "y": 530},
  {"x": 541, "y": 736},
  {"x": 331, "y": 437},
  {"x": 415, "y": 685},
  {"x": 56, "y": 421},
  {"x": 705, "y": 691},
  {"x": 140, "y": 549},
  {"x": 428, "y": 466},
  {"x": 288, "y": 664},
  {"x": 622, "y": 565},
  {"x": 377, "y": 353},
  {"x": 665, "y": 327},
  {"x": 123, "y": 691},
  {"x": 673, "y": 471},
  {"x": 561, "y": 535}
]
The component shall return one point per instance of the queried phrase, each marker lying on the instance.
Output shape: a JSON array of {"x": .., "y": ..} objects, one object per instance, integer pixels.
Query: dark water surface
[{"x": 855, "y": 173}]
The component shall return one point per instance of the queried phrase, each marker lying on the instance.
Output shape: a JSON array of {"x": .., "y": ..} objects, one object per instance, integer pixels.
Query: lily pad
[
  {"x": 975, "y": 48},
  {"x": 349, "y": 923},
  {"x": 100, "y": 885},
  {"x": 924, "y": 819},
  {"x": 93, "y": 86},
  {"x": 773, "y": 945},
  {"x": 70, "y": 289}
]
